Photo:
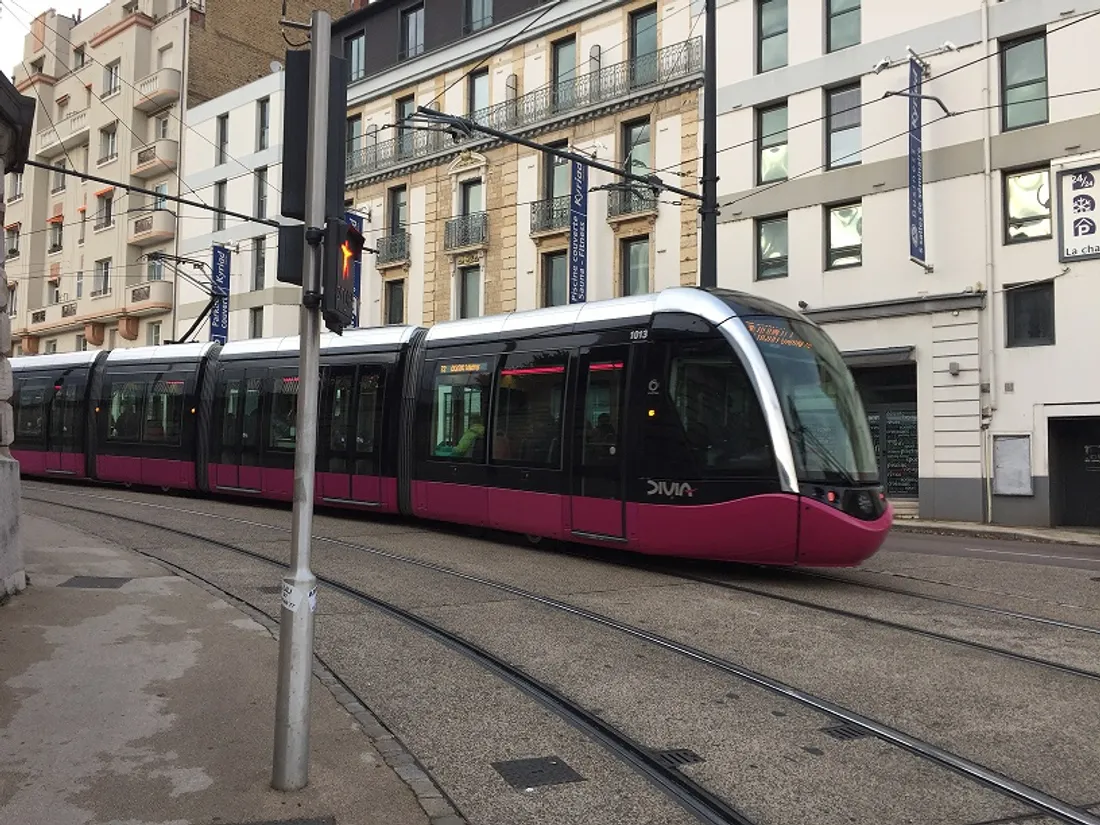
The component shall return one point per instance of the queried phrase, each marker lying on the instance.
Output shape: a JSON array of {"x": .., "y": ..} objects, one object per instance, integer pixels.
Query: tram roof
[
  {"x": 160, "y": 354},
  {"x": 55, "y": 360},
  {"x": 393, "y": 336},
  {"x": 713, "y": 305}
]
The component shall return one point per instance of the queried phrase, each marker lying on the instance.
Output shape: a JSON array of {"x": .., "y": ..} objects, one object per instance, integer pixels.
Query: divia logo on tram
[{"x": 670, "y": 489}]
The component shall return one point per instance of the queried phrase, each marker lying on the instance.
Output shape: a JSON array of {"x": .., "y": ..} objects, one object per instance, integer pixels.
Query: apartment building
[
  {"x": 478, "y": 227},
  {"x": 237, "y": 164},
  {"x": 112, "y": 91}
]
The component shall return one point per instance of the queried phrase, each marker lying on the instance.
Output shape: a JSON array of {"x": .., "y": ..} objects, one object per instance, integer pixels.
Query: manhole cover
[
  {"x": 845, "y": 732},
  {"x": 676, "y": 757},
  {"x": 533, "y": 773},
  {"x": 96, "y": 582}
]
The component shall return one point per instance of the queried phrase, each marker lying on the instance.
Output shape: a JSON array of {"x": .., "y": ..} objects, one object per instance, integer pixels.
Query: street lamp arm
[{"x": 466, "y": 127}]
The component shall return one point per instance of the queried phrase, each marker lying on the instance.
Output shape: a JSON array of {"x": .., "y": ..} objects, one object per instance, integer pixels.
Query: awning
[
  {"x": 56, "y": 219},
  {"x": 105, "y": 191},
  {"x": 886, "y": 357},
  {"x": 15, "y": 225},
  {"x": 82, "y": 209}
]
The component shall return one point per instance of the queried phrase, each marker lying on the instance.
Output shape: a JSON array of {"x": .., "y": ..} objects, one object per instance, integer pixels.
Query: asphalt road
[{"x": 958, "y": 649}]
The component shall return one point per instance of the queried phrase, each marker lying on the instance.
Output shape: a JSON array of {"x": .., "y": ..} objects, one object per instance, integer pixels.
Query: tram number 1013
[{"x": 639, "y": 334}]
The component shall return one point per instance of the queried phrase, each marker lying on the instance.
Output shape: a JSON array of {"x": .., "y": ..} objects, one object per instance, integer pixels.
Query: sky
[{"x": 15, "y": 18}]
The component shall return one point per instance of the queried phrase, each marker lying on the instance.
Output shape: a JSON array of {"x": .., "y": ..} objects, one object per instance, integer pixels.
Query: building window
[
  {"x": 845, "y": 236},
  {"x": 637, "y": 155},
  {"x": 1027, "y": 206},
  {"x": 152, "y": 334},
  {"x": 1024, "y": 83},
  {"x": 1029, "y": 312},
  {"x": 397, "y": 211},
  {"x": 57, "y": 236},
  {"x": 263, "y": 123},
  {"x": 471, "y": 200},
  {"x": 635, "y": 266},
  {"x": 155, "y": 269},
  {"x": 59, "y": 177},
  {"x": 844, "y": 24},
  {"x": 555, "y": 279},
  {"x": 222, "y": 145},
  {"x": 412, "y": 32},
  {"x": 772, "y": 18},
  {"x": 83, "y": 227},
  {"x": 771, "y": 259},
  {"x": 108, "y": 143},
  {"x": 256, "y": 322},
  {"x": 564, "y": 69},
  {"x": 78, "y": 57},
  {"x": 105, "y": 211},
  {"x": 354, "y": 134},
  {"x": 80, "y": 284},
  {"x": 355, "y": 55},
  {"x": 643, "y": 47},
  {"x": 11, "y": 242},
  {"x": 772, "y": 128},
  {"x": 219, "y": 203},
  {"x": 479, "y": 15},
  {"x": 261, "y": 192},
  {"x": 160, "y": 200},
  {"x": 13, "y": 301},
  {"x": 469, "y": 292},
  {"x": 405, "y": 108},
  {"x": 15, "y": 191},
  {"x": 478, "y": 92},
  {"x": 81, "y": 343},
  {"x": 102, "y": 283},
  {"x": 111, "y": 78},
  {"x": 259, "y": 262},
  {"x": 162, "y": 127},
  {"x": 845, "y": 122},
  {"x": 556, "y": 182},
  {"x": 395, "y": 302}
]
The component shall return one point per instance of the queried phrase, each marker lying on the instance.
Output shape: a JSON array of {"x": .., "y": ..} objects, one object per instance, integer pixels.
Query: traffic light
[{"x": 343, "y": 249}]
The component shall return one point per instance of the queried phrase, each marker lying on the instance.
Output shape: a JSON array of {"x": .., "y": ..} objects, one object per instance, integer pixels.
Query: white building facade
[
  {"x": 237, "y": 167},
  {"x": 975, "y": 373}
]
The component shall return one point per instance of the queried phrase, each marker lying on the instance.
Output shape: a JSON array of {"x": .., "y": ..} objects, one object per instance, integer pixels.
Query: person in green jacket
[{"x": 475, "y": 431}]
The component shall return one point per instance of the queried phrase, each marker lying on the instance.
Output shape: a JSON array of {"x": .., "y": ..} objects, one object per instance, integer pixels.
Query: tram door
[
  {"x": 239, "y": 462},
  {"x": 598, "y": 445}
]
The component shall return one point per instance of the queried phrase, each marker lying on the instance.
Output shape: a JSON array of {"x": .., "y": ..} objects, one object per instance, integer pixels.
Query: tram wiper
[{"x": 800, "y": 431}]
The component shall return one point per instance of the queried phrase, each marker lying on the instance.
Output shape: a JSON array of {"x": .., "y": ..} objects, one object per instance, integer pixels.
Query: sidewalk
[
  {"x": 1047, "y": 535},
  {"x": 152, "y": 701}
]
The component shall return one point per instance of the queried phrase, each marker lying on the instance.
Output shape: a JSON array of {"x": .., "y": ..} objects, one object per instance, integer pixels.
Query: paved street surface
[
  {"x": 139, "y": 697},
  {"x": 980, "y": 647}
]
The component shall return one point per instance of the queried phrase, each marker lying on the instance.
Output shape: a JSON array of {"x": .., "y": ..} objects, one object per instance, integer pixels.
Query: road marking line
[{"x": 1031, "y": 555}]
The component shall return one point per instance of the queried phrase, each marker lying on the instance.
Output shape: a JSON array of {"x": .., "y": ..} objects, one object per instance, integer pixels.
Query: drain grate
[
  {"x": 676, "y": 757},
  {"x": 270, "y": 589},
  {"x": 96, "y": 582},
  {"x": 532, "y": 773},
  {"x": 846, "y": 732}
]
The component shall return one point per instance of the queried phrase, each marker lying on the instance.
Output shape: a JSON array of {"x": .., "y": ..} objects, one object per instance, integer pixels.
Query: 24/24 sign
[{"x": 1079, "y": 208}]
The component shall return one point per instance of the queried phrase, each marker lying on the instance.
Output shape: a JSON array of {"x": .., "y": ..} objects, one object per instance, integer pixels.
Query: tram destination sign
[{"x": 766, "y": 333}]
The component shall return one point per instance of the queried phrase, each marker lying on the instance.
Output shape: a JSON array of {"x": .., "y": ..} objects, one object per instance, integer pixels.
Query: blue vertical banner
[
  {"x": 578, "y": 234},
  {"x": 219, "y": 287},
  {"x": 357, "y": 269},
  {"x": 916, "y": 165}
]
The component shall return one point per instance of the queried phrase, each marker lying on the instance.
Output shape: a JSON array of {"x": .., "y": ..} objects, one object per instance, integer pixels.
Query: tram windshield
[{"x": 828, "y": 428}]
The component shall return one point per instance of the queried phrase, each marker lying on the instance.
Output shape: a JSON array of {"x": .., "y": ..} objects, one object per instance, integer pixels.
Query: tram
[{"x": 700, "y": 423}]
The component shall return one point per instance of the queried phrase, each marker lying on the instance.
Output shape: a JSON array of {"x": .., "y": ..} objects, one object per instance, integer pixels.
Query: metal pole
[
  {"x": 291, "y": 764},
  {"x": 708, "y": 253}
]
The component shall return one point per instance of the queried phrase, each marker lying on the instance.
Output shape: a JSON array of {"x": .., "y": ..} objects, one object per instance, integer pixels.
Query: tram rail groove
[{"x": 981, "y": 774}]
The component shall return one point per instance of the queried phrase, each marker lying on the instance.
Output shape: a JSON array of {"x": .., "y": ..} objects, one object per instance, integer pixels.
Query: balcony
[
  {"x": 392, "y": 250},
  {"x": 550, "y": 215},
  {"x": 158, "y": 157},
  {"x": 628, "y": 203},
  {"x": 149, "y": 298},
  {"x": 158, "y": 90},
  {"x": 466, "y": 232},
  {"x": 153, "y": 227},
  {"x": 70, "y": 131},
  {"x": 663, "y": 73}
]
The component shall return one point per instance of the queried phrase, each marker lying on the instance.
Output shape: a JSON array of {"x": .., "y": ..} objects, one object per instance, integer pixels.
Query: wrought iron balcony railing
[
  {"x": 550, "y": 214},
  {"x": 393, "y": 248},
  {"x": 466, "y": 230},
  {"x": 608, "y": 85},
  {"x": 622, "y": 202}
]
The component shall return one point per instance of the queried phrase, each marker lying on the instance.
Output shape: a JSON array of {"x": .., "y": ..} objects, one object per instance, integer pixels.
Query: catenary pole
[
  {"x": 291, "y": 763},
  {"x": 708, "y": 252}
]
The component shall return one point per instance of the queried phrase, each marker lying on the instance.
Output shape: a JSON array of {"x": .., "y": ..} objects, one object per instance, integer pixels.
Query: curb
[
  {"x": 437, "y": 806},
  {"x": 978, "y": 533}
]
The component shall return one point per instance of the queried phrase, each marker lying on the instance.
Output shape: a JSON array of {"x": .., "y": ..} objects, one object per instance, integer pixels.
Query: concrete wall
[{"x": 12, "y": 577}]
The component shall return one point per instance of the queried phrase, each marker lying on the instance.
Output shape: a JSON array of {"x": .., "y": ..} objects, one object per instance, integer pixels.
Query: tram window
[
  {"x": 340, "y": 421},
  {"x": 30, "y": 410},
  {"x": 602, "y": 412},
  {"x": 460, "y": 396},
  {"x": 253, "y": 399},
  {"x": 125, "y": 411},
  {"x": 231, "y": 411},
  {"x": 284, "y": 412},
  {"x": 369, "y": 412},
  {"x": 65, "y": 429},
  {"x": 164, "y": 412},
  {"x": 527, "y": 424},
  {"x": 721, "y": 426}
]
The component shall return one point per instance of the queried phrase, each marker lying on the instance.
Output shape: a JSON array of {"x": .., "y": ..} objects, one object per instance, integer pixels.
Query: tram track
[{"x": 634, "y": 753}]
